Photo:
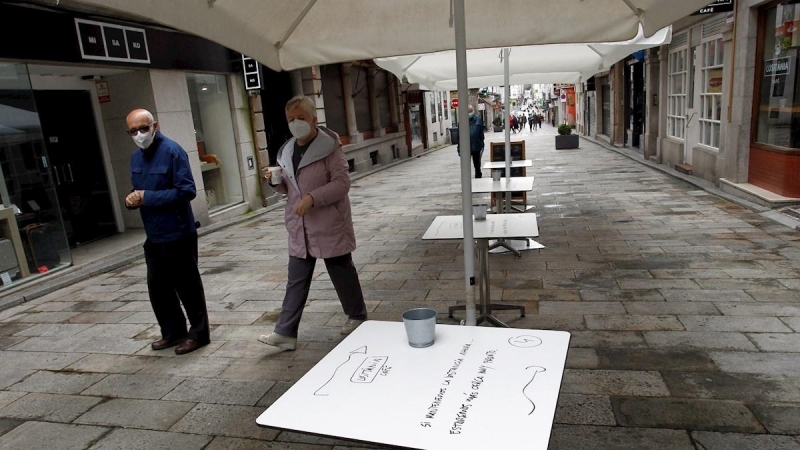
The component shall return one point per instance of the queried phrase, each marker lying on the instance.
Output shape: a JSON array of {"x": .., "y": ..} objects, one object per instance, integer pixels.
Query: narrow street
[{"x": 684, "y": 311}]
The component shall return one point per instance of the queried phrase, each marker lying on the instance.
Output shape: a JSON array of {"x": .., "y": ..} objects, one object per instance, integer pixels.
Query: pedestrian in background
[
  {"x": 316, "y": 180},
  {"x": 163, "y": 186}
]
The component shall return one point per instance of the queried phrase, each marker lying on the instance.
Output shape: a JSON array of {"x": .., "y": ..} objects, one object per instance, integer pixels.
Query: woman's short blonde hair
[{"x": 303, "y": 102}]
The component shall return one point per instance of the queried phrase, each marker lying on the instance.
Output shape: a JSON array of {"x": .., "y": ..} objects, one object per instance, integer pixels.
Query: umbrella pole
[
  {"x": 463, "y": 140},
  {"x": 507, "y": 88}
]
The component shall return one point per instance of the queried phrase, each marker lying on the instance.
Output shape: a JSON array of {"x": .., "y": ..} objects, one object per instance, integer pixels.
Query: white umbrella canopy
[
  {"x": 290, "y": 34},
  {"x": 554, "y": 63}
]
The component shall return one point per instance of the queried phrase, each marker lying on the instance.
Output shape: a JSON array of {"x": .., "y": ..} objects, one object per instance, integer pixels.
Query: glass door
[{"x": 32, "y": 237}]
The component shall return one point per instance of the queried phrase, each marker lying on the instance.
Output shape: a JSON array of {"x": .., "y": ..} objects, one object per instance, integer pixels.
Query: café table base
[{"x": 486, "y": 307}]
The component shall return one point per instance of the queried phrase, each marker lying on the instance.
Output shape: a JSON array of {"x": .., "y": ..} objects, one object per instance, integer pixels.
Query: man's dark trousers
[
  {"x": 476, "y": 162},
  {"x": 172, "y": 279}
]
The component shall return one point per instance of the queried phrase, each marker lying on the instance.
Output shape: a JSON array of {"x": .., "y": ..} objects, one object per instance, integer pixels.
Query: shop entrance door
[{"x": 76, "y": 164}]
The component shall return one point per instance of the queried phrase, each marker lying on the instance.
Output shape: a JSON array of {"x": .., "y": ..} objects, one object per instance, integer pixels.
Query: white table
[
  {"x": 474, "y": 388},
  {"x": 502, "y": 164},
  {"x": 496, "y": 226},
  {"x": 504, "y": 185}
]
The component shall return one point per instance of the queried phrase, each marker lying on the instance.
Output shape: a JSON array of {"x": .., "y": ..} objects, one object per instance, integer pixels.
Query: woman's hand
[{"x": 304, "y": 205}]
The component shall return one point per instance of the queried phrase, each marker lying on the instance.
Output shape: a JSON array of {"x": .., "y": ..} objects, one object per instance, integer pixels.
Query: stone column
[
  {"x": 618, "y": 104},
  {"x": 374, "y": 114},
  {"x": 651, "y": 103},
  {"x": 393, "y": 101},
  {"x": 349, "y": 105},
  {"x": 725, "y": 145},
  {"x": 663, "y": 99}
]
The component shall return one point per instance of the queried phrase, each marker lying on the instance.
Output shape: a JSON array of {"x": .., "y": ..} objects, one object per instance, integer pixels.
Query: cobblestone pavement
[{"x": 684, "y": 311}]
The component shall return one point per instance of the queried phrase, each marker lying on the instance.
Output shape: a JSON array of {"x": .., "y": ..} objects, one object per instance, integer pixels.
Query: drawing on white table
[
  {"x": 536, "y": 370},
  {"x": 525, "y": 341},
  {"x": 368, "y": 368}
]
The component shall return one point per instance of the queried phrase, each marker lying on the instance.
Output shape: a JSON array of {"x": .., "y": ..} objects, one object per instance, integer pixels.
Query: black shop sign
[{"x": 109, "y": 42}]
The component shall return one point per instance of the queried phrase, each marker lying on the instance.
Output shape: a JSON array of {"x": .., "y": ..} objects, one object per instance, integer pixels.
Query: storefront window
[
  {"x": 32, "y": 237},
  {"x": 778, "y": 118},
  {"x": 216, "y": 144},
  {"x": 711, "y": 94},
  {"x": 676, "y": 103}
]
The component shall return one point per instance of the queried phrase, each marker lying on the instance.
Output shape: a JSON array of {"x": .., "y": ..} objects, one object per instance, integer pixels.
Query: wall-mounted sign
[
  {"x": 716, "y": 7},
  {"x": 252, "y": 73},
  {"x": 108, "y": 42},
  {"x": 102, "y": 91}
]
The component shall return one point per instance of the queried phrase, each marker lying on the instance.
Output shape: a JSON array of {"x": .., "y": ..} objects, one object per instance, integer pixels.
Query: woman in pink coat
[{"x": 315, "y": 178}]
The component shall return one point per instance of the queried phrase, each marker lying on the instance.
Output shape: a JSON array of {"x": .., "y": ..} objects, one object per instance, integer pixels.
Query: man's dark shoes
[
  {"x": 161, "y": 344},
  {"x": 188, "y": 346}
]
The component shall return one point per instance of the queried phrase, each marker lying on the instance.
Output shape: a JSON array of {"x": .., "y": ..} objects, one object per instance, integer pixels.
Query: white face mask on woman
[{"x": 300, "y": 129}]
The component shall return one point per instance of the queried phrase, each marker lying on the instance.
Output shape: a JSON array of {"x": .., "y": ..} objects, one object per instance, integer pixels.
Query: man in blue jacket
[
  {"x": 163, "y": 186},
  {"x": 476, "y": 141}
]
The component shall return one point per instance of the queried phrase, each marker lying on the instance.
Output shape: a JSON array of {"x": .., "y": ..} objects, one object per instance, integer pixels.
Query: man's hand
[
  {"x": 304, "y": 205},
  {"x": 134, "y": 199}
]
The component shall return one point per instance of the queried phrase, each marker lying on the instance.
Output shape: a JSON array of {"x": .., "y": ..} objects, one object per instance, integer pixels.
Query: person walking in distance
[
  {"x": 314, "y": 176},
  {"x": 163, "y": 186}
]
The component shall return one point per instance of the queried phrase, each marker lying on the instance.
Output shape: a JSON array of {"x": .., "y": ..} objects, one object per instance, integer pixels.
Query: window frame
[
  {"x": 704, "y": 96},
  {"x": 677, "y": 102}
]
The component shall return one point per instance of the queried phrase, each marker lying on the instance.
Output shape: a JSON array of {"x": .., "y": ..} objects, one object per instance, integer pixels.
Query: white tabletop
[
  {"x": 474, "y": 388},
  {"x": 496, "y": 226},
  {"x": 513, "y": 184},
  {"x": 502, "y": 164}
]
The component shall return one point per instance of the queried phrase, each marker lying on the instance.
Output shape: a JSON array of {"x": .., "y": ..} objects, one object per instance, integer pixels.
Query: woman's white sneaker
[{"x": 279, "y": 340}]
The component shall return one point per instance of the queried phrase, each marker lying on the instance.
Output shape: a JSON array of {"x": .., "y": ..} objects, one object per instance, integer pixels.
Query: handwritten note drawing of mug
[{"x": 420, "y": 326}]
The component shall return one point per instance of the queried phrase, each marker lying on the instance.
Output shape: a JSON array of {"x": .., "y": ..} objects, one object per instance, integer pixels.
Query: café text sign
[
  {"x": 110, "y": 42},
  {"x": 777, "y": 66},
  {"x": 716, "y": 7}
]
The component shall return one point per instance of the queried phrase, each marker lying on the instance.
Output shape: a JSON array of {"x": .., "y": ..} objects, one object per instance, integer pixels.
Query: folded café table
[
  {"x": 496, "y": 226},
  {"x": 474, "y": 388},
  {"x": 503, "y": 185}
]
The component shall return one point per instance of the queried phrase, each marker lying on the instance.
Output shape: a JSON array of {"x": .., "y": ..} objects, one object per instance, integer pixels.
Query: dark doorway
[
  {"x": 277, "y": 91},
  {"x": 76, "y": 164}
]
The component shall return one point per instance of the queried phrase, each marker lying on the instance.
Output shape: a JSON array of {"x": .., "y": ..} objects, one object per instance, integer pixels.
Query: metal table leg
[{"x": 486, "y": 306}]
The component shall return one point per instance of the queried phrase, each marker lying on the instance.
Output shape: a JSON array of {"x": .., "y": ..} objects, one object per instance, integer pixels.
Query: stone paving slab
[
  {"x": 677, "y": 413},
  {"x": 57, "y": 382},
  {"x": 228, "y": 392},
  {"x": 150, "y": 440},
  {"x": 49, "y": 407},
  {"x": 726, "y": 441},
  {"x": 129, "y": 413},
  {"x": 584, "y": 437},
  {"x": 764, "y": 363},
  {"x": 51, "y": 435},
  {"x": 731, "y": 386},
  {"x": 224, "y": 420},
  {"x": 138, "y": 386},
  {"x": 778, "y": 418},
  {"x": 613, "y": 382}
]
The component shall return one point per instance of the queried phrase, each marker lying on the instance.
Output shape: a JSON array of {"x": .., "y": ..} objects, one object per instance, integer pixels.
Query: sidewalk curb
[
  {"x": 697, "y": 182},
  {"x": 75, "y": 274}
]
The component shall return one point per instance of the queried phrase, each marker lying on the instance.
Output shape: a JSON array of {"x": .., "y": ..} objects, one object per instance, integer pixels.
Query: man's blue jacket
[{"x": 162, "y": 171}]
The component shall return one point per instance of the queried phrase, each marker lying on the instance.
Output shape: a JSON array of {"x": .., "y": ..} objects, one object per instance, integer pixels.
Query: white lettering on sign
[
  {"x": 92, "y": 40},
  {"x": 115, "y": 43},
  {"x": 136, "y": 45},
  {"x": 778, "y": 66}
]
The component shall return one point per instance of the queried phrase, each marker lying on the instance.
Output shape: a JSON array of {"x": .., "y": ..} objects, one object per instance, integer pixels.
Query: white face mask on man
[
  {"x": 144, "y": 139},
  {"x": 300, "y": 129}
]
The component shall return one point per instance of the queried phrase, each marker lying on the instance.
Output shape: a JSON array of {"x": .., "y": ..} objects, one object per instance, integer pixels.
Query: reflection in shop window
[
  {"x": 778, "y": 116},
  {"x": 416, "y": 133},
  {"x": 216, "y": 144},
  {"x": 32, "y": 236}
]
